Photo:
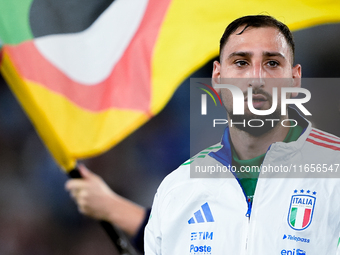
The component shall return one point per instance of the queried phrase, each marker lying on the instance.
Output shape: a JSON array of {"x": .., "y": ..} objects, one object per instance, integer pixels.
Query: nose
[
  {"x": 257, "y": 77},
  {"x": 256, "y": 83}
]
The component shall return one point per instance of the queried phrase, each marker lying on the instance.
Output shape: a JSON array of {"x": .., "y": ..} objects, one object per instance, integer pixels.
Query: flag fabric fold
[{"x": 89, "y": 74}]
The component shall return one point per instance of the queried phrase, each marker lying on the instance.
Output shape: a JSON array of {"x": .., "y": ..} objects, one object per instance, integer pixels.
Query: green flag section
[
  {"x": 14, "y": 26},
  {"x": 90, "y": 74}
]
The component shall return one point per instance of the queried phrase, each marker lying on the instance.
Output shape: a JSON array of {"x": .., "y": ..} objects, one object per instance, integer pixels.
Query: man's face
[{"x": 255, "y": 57}]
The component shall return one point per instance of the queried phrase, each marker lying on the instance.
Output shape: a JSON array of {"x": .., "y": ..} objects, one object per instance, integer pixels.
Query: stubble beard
[{"x": 257, "y": 131}]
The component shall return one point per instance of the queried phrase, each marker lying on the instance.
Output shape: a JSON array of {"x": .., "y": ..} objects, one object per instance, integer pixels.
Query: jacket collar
[{"x": 224, "y": 155}]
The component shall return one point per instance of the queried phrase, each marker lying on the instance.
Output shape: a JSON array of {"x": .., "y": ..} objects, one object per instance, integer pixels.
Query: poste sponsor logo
[{"x": 200, "y": 249}]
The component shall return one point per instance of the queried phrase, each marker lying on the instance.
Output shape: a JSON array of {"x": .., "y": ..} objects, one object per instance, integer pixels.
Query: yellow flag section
[
  {"x": 174, "y": 38},
  {"x": 77, "y": 133},
  {"x": 190, "y": 33}
]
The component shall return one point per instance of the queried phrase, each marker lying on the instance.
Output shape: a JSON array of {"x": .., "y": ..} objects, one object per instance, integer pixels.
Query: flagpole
[{"x": 118, "y": 238}]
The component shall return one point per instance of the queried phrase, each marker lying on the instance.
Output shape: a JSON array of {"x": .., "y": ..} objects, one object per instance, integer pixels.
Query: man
[{"x": 250, "y": 214}]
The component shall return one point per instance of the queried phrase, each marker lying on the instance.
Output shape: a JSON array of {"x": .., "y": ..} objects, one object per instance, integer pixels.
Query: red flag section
[
  {"x": 128, "y": 84},
  {"x": 88, "y": 85}
]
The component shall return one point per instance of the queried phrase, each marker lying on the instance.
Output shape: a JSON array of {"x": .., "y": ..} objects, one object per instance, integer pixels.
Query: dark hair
[{"x": 257, "y": 21}]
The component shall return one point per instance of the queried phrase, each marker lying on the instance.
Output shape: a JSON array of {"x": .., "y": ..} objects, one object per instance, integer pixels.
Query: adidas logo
[{"x": 198, "y": 216}]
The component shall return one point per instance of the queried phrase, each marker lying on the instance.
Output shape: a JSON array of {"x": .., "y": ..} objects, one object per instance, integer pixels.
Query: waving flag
[{"x": 90, "y": 72}]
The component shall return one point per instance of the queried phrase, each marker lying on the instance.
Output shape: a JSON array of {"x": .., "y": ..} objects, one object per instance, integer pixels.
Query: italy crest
[{"x": 301, "y": 209}]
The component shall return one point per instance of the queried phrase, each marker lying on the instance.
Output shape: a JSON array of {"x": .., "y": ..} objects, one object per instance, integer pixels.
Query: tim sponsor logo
[{"x": 199, "y": 236}]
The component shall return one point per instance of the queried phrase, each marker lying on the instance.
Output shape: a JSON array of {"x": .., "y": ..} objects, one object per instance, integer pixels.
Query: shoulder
[
  {"x": 180, "y": 180},
  {"x": 322, "y": 140}
]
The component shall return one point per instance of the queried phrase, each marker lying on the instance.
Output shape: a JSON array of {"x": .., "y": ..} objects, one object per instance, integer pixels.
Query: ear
[
  {"x": 296, "y": 75},
  {"x": 216, "y": 74}
]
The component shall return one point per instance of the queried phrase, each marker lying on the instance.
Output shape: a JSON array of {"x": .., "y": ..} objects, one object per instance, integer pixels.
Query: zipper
[
  {"x": 247, "y": 215},
  {"x": 248, "y": 224},
  {"x": 250, "y": 204},
  {"x": 249, "y": 208}
]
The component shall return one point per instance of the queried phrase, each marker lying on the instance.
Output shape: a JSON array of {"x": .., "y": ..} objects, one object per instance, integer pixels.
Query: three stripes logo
[
  {"x": 204, "y": 97},
  {"x": 301, "y": 209},
  {"x": 202, "y": 215}
]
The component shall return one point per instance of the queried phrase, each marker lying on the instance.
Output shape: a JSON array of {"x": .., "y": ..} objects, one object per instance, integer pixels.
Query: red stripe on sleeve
[
  {"x": 335, "y": 138},
  {"x": 323, "y": 144},
  {"x": 324, "y": 138}
]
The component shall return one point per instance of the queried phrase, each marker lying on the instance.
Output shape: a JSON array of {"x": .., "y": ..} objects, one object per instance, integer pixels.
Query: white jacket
[{"x": 289, "y": 216}]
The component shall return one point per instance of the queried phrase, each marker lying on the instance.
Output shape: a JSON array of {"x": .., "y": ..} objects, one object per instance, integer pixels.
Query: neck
[{"x": 248, "y": 146}]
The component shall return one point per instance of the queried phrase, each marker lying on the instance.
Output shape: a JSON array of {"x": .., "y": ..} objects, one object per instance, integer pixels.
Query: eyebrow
[
  {"x": 249, "y": 54},
  {"x": 273, "y": 54},
  {"x": 240, "y": 54}
]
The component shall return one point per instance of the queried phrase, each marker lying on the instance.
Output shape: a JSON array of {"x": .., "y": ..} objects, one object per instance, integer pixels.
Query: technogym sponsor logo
[{"x": 295, "y": 238}]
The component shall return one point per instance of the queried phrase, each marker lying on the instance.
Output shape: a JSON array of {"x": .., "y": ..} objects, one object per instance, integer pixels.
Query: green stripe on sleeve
[{"x": 216, "y": 147}]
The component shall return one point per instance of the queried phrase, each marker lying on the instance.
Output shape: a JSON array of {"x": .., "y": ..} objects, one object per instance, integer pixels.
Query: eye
[
  {"x": 241, "y": 63},
  {"x": 272, "y": 63}
]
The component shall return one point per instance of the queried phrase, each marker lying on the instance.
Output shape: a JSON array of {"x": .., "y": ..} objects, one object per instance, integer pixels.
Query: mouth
[{"x": 258, "y": 100}]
